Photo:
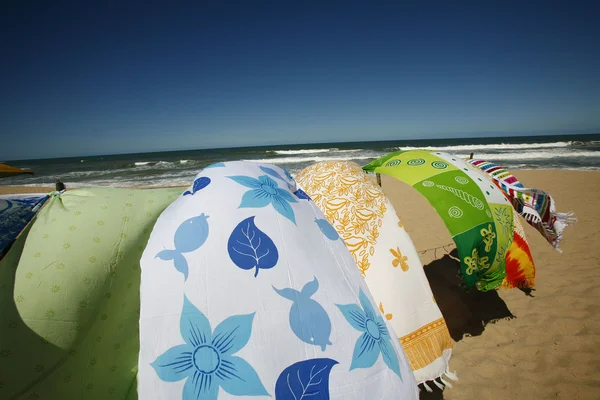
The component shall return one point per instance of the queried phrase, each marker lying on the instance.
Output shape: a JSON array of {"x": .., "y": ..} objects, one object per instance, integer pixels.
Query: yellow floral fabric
[
  {"x": 353, "y": 206},
  {"x": 367, "y": 222}
]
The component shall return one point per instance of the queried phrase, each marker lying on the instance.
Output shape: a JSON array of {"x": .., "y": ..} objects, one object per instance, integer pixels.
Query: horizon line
[{"x": 307, "y": 144}]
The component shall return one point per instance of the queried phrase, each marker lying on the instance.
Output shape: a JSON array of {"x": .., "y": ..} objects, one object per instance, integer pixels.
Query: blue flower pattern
[
  {"x": 207, "y": 360},
  {"x": 375, "y": 339},
  {"x": 265, "y": 191}
]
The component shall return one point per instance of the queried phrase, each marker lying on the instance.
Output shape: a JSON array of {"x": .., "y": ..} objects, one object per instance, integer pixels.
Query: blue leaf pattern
[
  {"x": 250, "y": 248},
  {"x": 308, "y": 319},
  {"x": 199, "y": 184},
  {"x": 302, "y": 195},
  {"x": 307, "y": 379}
]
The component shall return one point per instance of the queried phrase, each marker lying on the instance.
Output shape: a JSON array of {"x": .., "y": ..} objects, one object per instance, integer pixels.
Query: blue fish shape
[
  {"x": 189, "y": 236},
  {"x": 308, "y": 319},
  {"x": 327, "y": 229}
]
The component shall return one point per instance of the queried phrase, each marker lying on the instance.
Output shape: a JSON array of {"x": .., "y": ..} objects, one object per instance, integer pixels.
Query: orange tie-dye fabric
[{"x": 520, "y": 269}]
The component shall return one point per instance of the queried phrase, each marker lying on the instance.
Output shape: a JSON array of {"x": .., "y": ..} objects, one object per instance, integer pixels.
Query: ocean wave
[
  {"x": 295, "y": 160},
  {"x": 162, "y": 164},
  {"x": 501, "y": 146},
  {"x": 312, "y": 151},
  {"x": 533, "y": 155},
  {"x": 294, "y": 152}
]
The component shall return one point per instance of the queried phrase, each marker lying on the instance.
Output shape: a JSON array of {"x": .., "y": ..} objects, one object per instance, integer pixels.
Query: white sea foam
[
  {"x": 533, "y": 155},
  {"x": 484, "y": 147},
  {"x": 295, "y": 160},
  {"x": 313, "y": 151},
  {"x": 294, "y": 152},
  {"x": 180, "y": 172}
]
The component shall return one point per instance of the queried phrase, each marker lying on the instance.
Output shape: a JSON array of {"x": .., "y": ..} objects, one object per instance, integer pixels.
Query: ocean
[{"x": 178, "y": 168}]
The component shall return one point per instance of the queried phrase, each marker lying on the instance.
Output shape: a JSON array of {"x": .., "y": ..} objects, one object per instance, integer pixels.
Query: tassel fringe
[
  {"x": 563, "y": 220},
  {"x": 451, "y": 375},
  {"x": 447, "y": 384},
  {"x": 443, "y": 383},
  {"x": 438, "y": 384},
  {"x": 430, "y": 390}
]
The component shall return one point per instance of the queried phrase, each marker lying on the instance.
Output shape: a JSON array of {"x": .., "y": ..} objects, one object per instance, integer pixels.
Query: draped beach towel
[
  {"x": 477, "y": 214},
  {"x": 69, "y": 296},
  {"x": 15, "y": 213},
  {"x": 520, "y": 268},
  {"x": 247, "y": 291},
  {"x": 534, "y": 205},
  {"x": 387, "y": 259}
]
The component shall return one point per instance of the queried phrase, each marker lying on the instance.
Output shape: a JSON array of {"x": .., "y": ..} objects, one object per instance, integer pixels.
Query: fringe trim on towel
[
  {"x": 564, "y": 220},
  {"x": 427, "y": 387},
  {"x": 424, "y": 346},
  {"x": 449, "y": 375}
]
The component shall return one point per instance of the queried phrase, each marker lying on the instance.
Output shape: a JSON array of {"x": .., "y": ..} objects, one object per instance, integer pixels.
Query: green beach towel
[
  {"x": 477, "y": 214},
  {"x": 69, "y": 296}
]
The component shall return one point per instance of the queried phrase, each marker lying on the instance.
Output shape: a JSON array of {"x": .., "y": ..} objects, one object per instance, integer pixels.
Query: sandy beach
[
  {"x": 550, "y": 348},
  {"x": 543, "y": 345}
]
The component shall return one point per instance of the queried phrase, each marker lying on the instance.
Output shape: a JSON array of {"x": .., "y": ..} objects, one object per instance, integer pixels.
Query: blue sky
[{"x": 83, "y": 78}]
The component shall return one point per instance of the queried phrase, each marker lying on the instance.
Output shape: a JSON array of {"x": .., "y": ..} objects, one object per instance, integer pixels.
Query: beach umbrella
[
  {"x": 387, "y": 259},
  {"x": 246, "y": 290},
  {"x": 16, "y": 210},
  {"x": 477, "y": 214},
  {"x": 534, "y": 205},
  {"x": 7, "y": 170},
  {"x": 69, "y": 297}
]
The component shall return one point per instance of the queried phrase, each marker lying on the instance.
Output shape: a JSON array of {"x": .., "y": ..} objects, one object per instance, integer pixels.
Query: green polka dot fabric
[{"x": 69, "y": 296}]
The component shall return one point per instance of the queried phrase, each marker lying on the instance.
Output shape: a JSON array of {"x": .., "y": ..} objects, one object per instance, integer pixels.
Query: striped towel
[{"x": 534, "y": 205}]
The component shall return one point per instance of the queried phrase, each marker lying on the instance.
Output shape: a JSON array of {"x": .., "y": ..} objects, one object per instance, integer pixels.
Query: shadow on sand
[{"x": 466, "y": 312}]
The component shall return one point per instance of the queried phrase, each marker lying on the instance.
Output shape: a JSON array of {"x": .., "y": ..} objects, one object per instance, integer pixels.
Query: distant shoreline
[
  {"x": 20, "y": 189},
  {"x": 575, "y": 152},
  {"x": 479, "y": 140}
]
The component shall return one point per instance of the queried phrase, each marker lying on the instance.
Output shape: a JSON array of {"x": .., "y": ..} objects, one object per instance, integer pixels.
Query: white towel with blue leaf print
[{"x": 247, "y": 291}]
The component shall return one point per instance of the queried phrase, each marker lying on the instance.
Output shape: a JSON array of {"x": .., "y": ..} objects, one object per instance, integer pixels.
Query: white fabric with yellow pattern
[{"x": 386, "y": 257}]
